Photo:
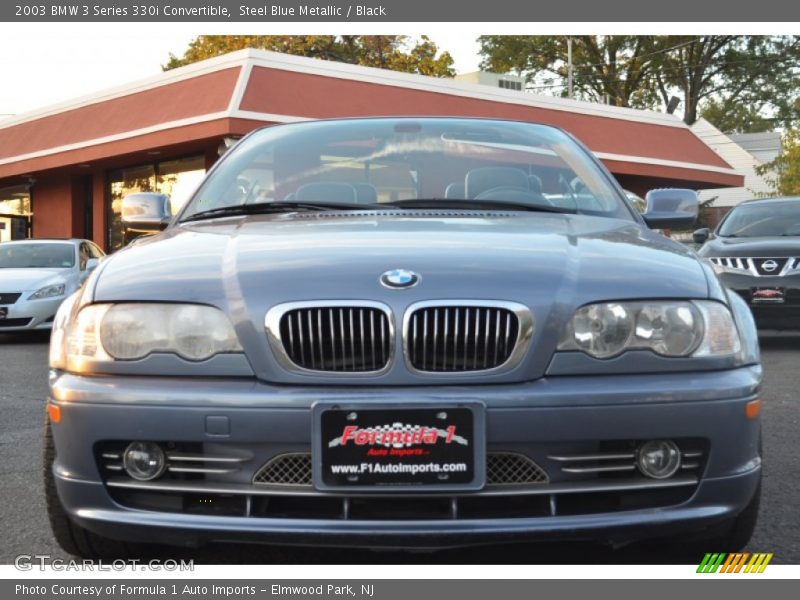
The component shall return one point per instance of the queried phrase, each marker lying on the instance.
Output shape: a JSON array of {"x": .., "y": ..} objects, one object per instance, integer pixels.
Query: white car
[{"x": 37, "y": 275}]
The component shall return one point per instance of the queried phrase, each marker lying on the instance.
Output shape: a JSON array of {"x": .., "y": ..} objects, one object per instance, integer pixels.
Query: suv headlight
[
  {"x": 132, "y": 331},
  {"x": 48, "y": 291},
  {"x": 668, "y": 328}
]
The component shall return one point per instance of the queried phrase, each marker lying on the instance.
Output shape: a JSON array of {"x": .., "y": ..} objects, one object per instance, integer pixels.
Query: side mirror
[
  {"x": 145, "y": 212},
  {"x": 671, "y": 208},
  {"x": 91, "y": 264},
  {"x": 701, "y": 235}
]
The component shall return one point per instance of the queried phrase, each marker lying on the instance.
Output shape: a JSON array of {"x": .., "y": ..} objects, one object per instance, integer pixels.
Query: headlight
[
  {"x": 131, "y": 331},
  {"x": 49, "y": 291},
  {"x": 721, "y": 337},
  {"x": 602, "y": 330},
  {"x": 668, "y": 328},
  {"x": 58, "y": 359}
]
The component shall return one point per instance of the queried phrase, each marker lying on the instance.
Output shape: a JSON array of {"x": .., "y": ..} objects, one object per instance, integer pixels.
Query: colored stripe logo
[{"x": 737, "y": 562}]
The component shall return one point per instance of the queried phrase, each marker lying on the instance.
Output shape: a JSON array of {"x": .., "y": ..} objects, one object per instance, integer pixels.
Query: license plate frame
[
  {"x": 777, "y": 295},
  {"x": 330, "y": 418}
]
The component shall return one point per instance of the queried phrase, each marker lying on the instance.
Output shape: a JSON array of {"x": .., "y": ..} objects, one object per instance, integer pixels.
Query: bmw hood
[
  {"x": 29, "y": 280},
  {"x": 333, "y": 255},
  {"x": 548, "y": 262}
]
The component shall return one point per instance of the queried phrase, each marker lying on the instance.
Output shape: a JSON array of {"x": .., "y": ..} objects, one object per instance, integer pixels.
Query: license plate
[
  {"x": 770, "y": 295},
  {"x": 367, "y": 448},
  {"x": 3, "y": 312}
]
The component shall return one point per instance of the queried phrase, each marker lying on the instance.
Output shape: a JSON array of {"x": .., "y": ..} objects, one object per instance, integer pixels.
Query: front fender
[{"x": 748, "y": 333}]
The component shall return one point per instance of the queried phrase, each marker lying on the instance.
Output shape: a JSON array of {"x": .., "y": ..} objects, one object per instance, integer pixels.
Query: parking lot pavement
[{"x": 23, "y": 391}]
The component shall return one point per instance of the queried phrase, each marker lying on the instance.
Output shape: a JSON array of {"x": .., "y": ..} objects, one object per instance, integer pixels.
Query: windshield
[
  {"x": 377, "y": 163},
  {"x": 37, "y": 256},
  {"x": 769, "y": 219}
]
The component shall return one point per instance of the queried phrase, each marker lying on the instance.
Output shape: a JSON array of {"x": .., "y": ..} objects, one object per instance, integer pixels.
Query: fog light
[
  {"x": 659, "y": 459},
  {"x": 144, "y": 460}
]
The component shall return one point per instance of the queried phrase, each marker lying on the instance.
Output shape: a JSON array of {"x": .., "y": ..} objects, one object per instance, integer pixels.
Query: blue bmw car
[{"x": 405, "y": 333}]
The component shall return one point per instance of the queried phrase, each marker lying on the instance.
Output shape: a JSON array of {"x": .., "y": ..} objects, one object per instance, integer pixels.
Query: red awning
[{"x": 240, "y": 91}]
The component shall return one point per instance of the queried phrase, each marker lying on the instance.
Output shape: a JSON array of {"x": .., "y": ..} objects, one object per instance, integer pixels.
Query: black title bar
[{"x": 441, "y": 11}]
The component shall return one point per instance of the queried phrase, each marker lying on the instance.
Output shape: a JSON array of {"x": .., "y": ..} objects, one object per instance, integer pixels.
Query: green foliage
[
  {"x": 733, "y": 116},
  {"x": 783, "y": 173},
  {"x": 739, "y": 83},
  {"x": 611, "y": 68},
  {"x": 393, "y": 52}
]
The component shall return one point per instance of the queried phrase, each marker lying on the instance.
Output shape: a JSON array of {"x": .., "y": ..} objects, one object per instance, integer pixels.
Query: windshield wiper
[
  {"x": 274, "y": 207},
  {"x": 442, "y": 203},
  {"x": 452, "y": 203}
]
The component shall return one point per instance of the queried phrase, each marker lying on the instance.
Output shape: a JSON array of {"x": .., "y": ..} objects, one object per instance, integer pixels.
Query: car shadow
[{"x": 779, "y": 340}]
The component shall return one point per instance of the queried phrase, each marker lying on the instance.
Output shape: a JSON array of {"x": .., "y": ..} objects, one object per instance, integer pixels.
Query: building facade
[
  {"x": 745, "y": 152},
  {"x": 65, "y": 169}
]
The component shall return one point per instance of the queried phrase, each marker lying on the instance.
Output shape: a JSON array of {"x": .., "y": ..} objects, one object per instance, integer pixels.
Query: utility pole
[{"x": 569, "y": 66}]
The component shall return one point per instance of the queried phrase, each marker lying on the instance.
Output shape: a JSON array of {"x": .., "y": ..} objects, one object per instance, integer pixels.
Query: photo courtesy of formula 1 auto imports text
[{"x": 332, "y": 300}]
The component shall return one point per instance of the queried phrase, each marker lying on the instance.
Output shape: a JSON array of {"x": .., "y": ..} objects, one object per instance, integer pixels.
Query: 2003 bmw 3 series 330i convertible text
[{"x": 404, "y": 333}]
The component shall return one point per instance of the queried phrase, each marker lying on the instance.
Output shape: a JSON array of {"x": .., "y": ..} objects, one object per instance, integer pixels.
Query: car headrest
[
  {"x": 365, "y": 193},
  {"x": 578, "y": 185},
  {"x": 455, "y": 190},
  {"x": 535, "y": 183},
  {"x": 482, "y": 179},
  {"x": 326, "y": 192}
]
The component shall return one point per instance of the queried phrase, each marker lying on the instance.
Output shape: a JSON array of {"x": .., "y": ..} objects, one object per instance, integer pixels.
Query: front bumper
[
  {"x": 784, "y": 315},
  {"x": 30, "y": 315},
  {"x": 535, "y": 419}
]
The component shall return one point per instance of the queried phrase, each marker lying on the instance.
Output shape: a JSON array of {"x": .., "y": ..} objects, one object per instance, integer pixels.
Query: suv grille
[
  {"x": 458, "y": 338},
  {"x": 760, "y": 267},
  {"x": 353, "y": 338},
  {"x": 769, "y": 266}
]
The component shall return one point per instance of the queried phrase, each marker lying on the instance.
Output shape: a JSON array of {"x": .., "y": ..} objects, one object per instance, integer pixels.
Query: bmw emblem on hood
[{"x": 399, "y": 279}]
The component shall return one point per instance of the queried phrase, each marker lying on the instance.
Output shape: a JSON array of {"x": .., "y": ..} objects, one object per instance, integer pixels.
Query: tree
[
  {"x": 735, "y": 117},
  {"x": 733, "y": 71},
  {"x": 739, "y": 83},
  {"x": 607, "y": 68},
  {"x": 783, "y": 173},
  {"x": 394, "y": 52}
]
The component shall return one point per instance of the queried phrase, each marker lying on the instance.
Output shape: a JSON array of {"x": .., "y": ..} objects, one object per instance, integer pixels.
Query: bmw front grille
[
  {"x": 439, "y": 337},
  {"x": 351, "y": 337}
]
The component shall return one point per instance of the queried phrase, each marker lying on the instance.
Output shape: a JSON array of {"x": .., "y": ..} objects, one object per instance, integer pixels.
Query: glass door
[{"x": 15, "y": 213}]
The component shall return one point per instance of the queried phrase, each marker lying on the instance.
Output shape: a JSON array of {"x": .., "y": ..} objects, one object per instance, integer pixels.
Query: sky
[
  {"x": 55, "y": 62},
  {"x": 46, "y": 63}
]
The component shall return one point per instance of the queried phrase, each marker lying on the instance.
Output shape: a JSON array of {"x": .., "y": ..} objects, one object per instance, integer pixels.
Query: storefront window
[
  {"x": 179, "y": 178},
  {"x": 15, "y": 200},
  {"x": 15, "y": 212},
  {"x": 176, "y": 178}
]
